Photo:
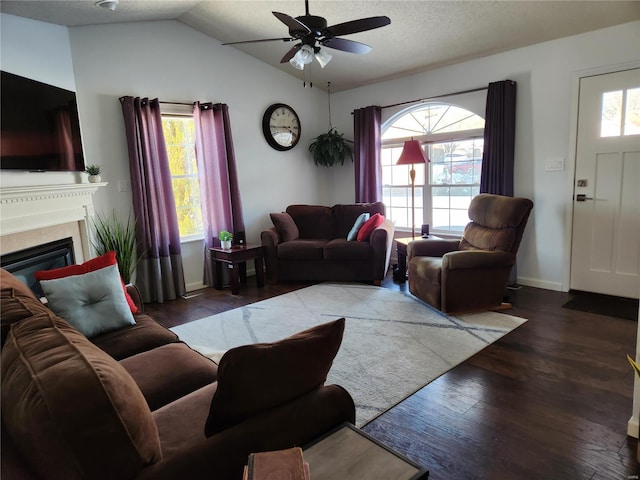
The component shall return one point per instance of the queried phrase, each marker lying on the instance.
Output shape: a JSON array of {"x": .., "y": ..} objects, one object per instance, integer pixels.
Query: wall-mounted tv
[{"x": 39, "y": 126}]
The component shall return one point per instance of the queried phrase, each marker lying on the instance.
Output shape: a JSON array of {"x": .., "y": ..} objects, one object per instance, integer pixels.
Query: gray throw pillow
[
  {"x": 353, "y": 233},
  {"x": 93, "y": 303}
]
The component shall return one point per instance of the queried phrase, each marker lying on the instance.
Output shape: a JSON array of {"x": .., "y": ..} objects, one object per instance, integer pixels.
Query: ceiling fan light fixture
[
  {"x": 323, "y": 57},
  {"x": 108, "y": 4},
  {"x": 303, "y": 57}
]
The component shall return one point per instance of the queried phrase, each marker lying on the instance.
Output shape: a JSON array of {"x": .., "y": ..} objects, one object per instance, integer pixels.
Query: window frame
[
  {"x": 427, "y": 140},
  {"x": 182, "y": 111}
]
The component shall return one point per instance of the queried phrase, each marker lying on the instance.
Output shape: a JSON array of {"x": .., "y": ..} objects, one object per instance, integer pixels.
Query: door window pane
[
  {"x": 632, "y": 112},
  {"x": 611, "y": 114}
]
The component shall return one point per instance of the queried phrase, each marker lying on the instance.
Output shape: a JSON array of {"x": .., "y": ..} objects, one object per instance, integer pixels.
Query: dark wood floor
[{"x": 550, "y": 400}]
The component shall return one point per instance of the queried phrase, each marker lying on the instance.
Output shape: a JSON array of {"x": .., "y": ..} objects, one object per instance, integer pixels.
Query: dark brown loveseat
[
  {"x": 136, "y": 403},
  {"x": 315, "y": 247}
]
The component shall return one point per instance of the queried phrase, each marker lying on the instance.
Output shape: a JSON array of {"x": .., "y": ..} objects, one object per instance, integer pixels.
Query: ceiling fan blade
[
  {"x": 290, "y": 54},
  {"x": 360, "y": 25},
  {"x": 346, "y": 45},
  {"x": 286, "y": 39},
  {"x": 292, "y": 23}
]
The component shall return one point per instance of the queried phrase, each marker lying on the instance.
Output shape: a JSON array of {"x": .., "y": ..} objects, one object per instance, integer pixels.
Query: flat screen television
[{"x": 39, "y": 126}]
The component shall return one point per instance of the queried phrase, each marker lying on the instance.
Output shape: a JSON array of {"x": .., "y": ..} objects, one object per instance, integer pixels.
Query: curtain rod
[
  {"x": 436, "y": 96},
  {"x": 203, "y": 105},
  {"x": 178, "y": 103}
]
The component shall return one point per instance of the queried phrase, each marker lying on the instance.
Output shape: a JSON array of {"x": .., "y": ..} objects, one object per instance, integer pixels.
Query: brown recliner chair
[{"x": 471, "y": 274}]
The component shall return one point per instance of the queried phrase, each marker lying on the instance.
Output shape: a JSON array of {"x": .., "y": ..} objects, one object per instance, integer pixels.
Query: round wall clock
[{"x": 281, "y": 126}]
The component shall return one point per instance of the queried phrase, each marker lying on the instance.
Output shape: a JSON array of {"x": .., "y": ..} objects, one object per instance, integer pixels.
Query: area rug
[
  {"x": 393, "y": 344},
  {"x": 619, "y": 307}
]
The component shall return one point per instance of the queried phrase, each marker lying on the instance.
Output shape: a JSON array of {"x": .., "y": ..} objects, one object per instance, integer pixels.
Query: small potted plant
[
  {"x": 225, "y": 239},
  {"x": 94, "y": 173}
]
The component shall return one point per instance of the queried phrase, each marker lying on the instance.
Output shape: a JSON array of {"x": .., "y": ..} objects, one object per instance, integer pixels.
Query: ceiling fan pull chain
[
  {"x": 329, "y": 101},
  {"x": 306, "y": 75}
]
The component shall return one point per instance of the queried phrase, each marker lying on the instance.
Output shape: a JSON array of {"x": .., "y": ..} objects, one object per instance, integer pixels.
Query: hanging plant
[{"x": 331, "y": 148}]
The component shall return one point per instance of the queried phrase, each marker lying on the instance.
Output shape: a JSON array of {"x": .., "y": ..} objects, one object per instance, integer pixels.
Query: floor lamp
[{"x": 412, "y": 153}]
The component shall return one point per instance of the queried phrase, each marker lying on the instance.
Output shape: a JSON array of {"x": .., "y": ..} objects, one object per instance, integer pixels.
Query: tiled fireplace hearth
[{"x": 34, "y": 215}]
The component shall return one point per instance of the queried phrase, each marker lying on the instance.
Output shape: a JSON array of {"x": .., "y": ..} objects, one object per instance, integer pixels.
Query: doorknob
[{"x": 582, "y": 197}]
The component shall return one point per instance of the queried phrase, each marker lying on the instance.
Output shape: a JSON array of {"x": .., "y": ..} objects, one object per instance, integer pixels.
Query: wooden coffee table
[
  {"x": 235, "y": 258},
  {"x": 347, "y": 453}
]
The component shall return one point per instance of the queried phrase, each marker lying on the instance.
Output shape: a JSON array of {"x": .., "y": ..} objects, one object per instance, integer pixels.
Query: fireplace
[
  {"x": 34, "y": 217},
  {"x": 24, "y": 263}
]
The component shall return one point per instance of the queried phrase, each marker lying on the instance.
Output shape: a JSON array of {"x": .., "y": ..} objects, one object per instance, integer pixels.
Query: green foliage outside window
[{"x": 179, "y": 135}]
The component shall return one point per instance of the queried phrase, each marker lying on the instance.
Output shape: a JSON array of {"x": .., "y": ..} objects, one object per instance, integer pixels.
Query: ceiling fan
[{"x": 312, "y": 31}]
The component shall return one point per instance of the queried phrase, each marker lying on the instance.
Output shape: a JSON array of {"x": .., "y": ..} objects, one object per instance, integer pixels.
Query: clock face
[{"x": 281, "y": 126}]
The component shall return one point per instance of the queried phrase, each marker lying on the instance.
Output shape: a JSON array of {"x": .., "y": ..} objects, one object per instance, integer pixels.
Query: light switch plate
[{"x": 554, "y": 164}]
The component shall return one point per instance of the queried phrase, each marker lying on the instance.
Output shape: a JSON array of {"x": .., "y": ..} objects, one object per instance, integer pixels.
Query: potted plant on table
[{"x": 225, "y": 238}]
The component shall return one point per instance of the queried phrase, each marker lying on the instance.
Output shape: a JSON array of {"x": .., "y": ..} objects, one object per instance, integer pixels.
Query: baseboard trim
[
  {"x": 195, "y": 286},
  {"x": 534, "y": 282}
]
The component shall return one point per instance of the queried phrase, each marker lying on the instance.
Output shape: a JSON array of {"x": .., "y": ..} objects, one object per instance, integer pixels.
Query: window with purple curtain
[
  {"x": 367, "y": 145},
  {"x": 217, "y": 176},
  {"x": 499, "y": 139},
  {"x": 159, "y": 274}
]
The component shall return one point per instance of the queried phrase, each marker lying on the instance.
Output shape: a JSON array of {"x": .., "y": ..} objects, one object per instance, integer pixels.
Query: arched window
[{"x": 452, "y": 137}]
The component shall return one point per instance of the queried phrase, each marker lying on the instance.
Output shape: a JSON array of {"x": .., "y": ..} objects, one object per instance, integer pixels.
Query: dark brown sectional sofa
[
  {"x": 318, "y": 250},
  {"x": 136, "y": 403}
]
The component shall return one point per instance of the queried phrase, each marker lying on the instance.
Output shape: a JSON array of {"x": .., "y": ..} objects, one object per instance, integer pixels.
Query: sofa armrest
[
  {"x": 270, "y": 237},
  {"x": 431, "y": 247},
  {"x": 270, "y": 240},
  {"x": 136, "y": 296},
  {"x": 223, "y": 455},
  {"x": 477, "y": 259},
  {"x": 381, "y": 240}
]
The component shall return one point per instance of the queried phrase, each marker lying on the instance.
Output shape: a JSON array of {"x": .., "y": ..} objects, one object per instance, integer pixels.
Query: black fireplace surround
[{"x": 24, "y": 263}]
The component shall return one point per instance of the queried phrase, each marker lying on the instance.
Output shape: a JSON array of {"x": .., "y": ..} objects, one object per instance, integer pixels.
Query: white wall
[
  {"x": 40, "y": 51},
  {"x": 545, "y": 74}
]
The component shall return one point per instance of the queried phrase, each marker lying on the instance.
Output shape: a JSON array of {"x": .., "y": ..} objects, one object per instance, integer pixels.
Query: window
[
  {"x": 179, "y": 136},
  {"x": 620, "y": 113},
  {"x": 453, "y": 140}
]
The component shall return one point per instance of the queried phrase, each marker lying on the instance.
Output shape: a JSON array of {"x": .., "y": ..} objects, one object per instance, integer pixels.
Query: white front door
[{"x": 605, "y": 254}]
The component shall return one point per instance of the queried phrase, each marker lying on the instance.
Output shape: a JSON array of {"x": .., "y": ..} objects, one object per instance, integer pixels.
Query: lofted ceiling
[{"x": 422, "y": 35}]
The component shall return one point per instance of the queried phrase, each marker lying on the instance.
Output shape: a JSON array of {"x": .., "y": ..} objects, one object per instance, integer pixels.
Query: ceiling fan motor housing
[{"x": 317, "y": 25}]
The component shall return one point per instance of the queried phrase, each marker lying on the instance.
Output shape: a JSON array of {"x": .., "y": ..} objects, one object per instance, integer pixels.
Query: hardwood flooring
[{"x": 550, "y": 400}]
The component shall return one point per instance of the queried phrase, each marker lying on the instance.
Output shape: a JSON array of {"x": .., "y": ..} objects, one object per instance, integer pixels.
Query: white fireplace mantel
[{"x": 27, "y": 208}]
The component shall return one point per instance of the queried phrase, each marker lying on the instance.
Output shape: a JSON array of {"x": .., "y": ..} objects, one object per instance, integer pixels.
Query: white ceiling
[{"x": 422, "y": 34}]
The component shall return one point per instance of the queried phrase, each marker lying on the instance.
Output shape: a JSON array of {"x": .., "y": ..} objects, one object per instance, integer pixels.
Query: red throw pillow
[
  {"x": 97, "y": 263},
  {"x": 369, "y": 226}
]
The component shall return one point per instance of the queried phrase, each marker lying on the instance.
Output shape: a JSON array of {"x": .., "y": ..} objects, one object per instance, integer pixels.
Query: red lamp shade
[{"x": 412, "y": 153}]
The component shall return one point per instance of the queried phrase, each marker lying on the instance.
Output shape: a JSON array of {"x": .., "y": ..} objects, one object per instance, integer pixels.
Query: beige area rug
[{"x": 393, "y": 344}]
